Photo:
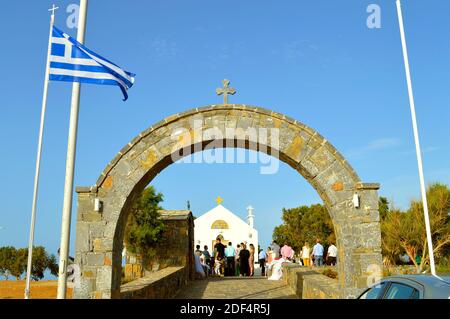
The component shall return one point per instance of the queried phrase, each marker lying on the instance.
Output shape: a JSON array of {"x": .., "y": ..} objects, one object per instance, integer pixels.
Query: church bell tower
[{"x": 250, "y": 216}]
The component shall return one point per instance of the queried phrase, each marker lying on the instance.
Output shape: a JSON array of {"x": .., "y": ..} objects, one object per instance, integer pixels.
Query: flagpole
[
  {"x": 70, "y": 165},
  {"x": 416, "y": 139},
  {"x": 38, "y": 157}
]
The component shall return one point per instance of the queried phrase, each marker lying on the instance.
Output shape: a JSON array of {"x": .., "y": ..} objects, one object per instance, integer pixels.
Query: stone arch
[{"x": 99, "y": 237}]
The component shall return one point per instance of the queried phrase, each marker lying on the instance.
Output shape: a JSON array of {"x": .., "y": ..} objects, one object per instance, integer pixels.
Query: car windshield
[
  {"x": 374, "y": 292},
  {"x": 400, "y": 291}
]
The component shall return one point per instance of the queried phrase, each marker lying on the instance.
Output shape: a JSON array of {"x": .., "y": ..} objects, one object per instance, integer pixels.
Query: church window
[{"x": 219, "y": 224}]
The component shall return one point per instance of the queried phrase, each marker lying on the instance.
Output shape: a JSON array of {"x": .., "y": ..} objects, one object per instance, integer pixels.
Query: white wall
[{"x": 238, "y": 231}]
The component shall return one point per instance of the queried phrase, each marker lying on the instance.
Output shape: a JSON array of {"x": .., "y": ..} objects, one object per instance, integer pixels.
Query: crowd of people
[
  {"x": 308, "y": 256},
  {"x": 316, "y": 256},
  {"x": 226, "y": 260}
]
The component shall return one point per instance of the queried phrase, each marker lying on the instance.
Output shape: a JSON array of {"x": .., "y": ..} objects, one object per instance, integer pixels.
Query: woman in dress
[
  {"x": 270, "y": 259},
  {"x": 244, "y": 256},
  {"x": 306, "y": 251},
  {"x": 269, "y": 255},
  {"x": 251, "y": 260}
]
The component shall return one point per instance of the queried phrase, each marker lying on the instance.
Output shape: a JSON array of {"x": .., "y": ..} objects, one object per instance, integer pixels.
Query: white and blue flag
[{"x": 71, "y": 61}]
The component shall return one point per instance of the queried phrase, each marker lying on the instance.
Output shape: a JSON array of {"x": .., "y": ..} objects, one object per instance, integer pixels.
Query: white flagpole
[
  {"x": 416, "y": 139},
  {"x": 70, "y": 165},
  {"x": 38, "y": 159}
]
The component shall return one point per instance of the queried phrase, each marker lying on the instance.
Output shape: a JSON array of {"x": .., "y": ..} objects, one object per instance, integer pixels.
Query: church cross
[
  {"x": 219, "y": 200},
  {"x": 225, "y": 90}
]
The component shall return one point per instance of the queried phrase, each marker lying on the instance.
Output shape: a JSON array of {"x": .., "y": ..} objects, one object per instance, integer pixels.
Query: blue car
[{"x": 409, "y": 287}]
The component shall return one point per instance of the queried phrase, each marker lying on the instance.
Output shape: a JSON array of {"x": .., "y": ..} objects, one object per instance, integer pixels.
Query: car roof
[
  {"x": 433, "y": 287},
  {"x": 425, "y": 280}
]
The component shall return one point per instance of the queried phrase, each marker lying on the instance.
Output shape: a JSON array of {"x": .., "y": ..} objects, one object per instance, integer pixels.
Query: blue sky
[{"x": 316, "y": 61}]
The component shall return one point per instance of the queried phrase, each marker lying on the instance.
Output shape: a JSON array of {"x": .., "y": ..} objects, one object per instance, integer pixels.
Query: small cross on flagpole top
[{"x": 53, "y": 9}]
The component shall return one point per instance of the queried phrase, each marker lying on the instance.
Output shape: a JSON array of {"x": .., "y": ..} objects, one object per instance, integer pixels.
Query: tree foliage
[
  {"x": 7, "y": 258},
  {"x": 402, "y": 232},
  {"x": 13, "y": 262},
  {"x": 383, "y": 207},
  {"x": 405, "y": 232},
  {"x": 144, "y": 228},
  {"x": 41, "y": 262},
  {"x": 304, "y": 224}
]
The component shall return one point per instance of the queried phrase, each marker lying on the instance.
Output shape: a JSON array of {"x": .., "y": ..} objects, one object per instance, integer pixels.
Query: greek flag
[{"x": 71, "y": 61}]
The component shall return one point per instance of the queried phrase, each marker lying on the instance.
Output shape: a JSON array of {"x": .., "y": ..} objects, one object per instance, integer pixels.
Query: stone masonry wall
[
  {"x": 161, "y": 284},
  {"x": 177, "y": 243},
  {"x": 174, "y": 249},
  {"x": 309, "y": 284}
]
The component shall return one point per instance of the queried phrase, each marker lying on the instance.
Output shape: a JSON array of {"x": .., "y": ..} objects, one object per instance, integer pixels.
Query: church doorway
[{"x": 222, "y": 240}]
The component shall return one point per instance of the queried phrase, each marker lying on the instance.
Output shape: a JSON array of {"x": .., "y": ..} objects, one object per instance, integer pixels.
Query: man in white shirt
[{"x": 332, "y": 255}]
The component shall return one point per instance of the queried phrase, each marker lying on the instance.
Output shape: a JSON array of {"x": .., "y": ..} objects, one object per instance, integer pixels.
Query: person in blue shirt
[
  {"x": 207, "y": 256},
  {"x": 318, "y": 254},
  {"x": 230, "y": 254},
  {"x": 262, "y": 258}
]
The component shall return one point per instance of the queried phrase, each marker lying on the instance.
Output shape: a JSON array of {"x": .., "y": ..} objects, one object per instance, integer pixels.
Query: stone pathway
[{"x": 236, "y": 288}]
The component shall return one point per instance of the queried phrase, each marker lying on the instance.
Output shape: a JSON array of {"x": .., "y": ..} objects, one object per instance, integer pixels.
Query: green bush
[
  {"x": 144, "y": 228},
  {"x": 443, "y": 267}
]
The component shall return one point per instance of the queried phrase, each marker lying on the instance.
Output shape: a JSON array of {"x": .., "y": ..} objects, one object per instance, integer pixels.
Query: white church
[{"x": 221, "y": 223}]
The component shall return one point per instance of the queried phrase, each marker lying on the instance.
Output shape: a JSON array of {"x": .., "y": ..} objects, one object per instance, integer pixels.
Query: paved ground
[{"x": 236, "y": 288}]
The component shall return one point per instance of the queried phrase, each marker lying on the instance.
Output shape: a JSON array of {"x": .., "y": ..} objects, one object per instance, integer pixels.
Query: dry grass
[{"x": 14, "y": 289}]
